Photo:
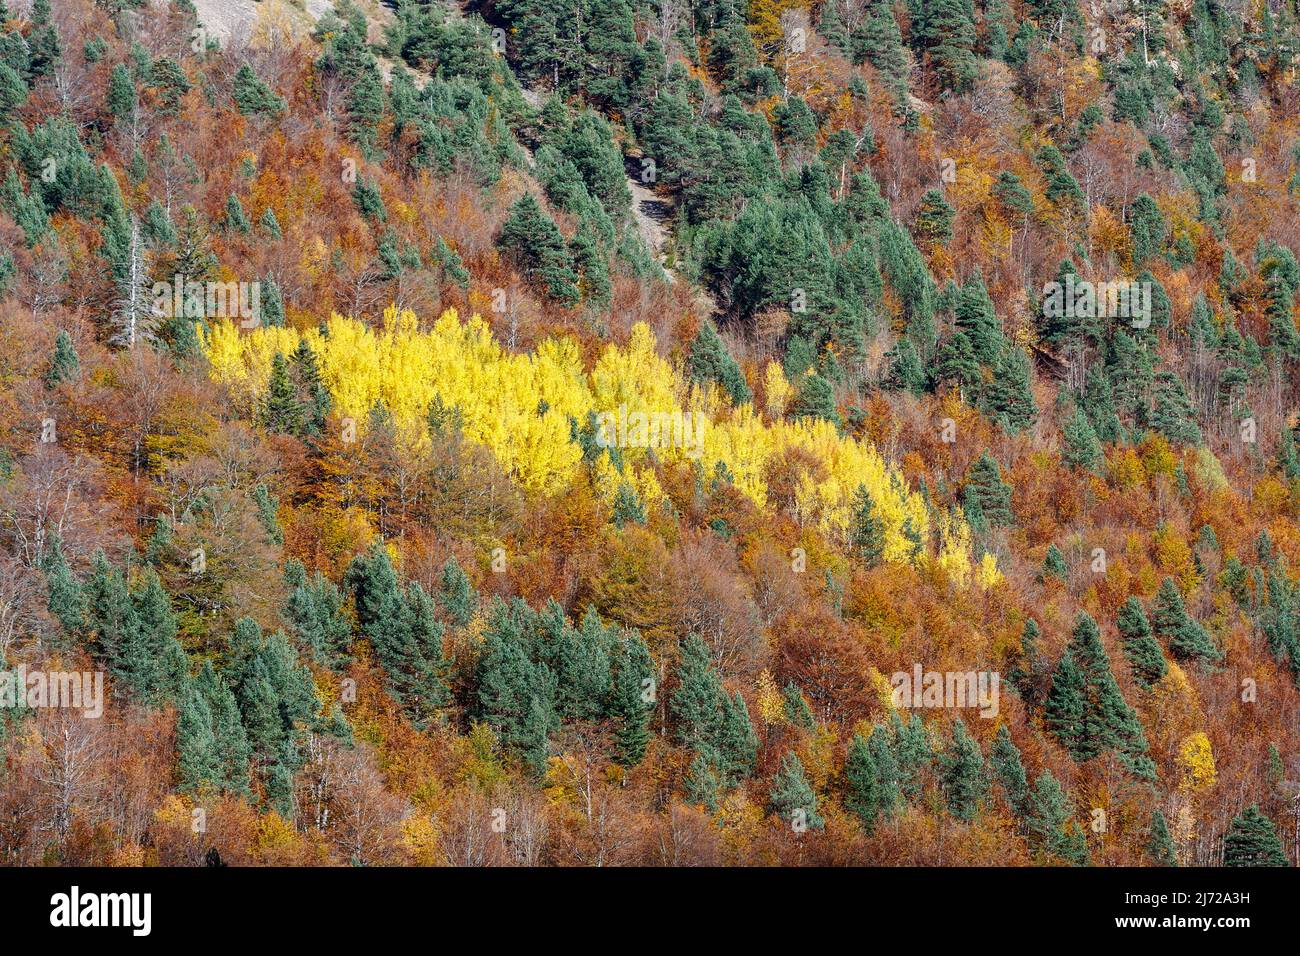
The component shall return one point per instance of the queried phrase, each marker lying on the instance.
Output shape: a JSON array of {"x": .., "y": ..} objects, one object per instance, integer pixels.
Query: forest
[{"x": 649, "y": 433}]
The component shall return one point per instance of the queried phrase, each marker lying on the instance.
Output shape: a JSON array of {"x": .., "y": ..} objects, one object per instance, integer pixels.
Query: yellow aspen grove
[{"x": 523, "y": 408}]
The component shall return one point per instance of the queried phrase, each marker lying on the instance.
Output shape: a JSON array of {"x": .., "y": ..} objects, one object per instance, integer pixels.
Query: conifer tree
[
  {"x": 986, "y": 489},
  {"x": 976, "y": 317},
  {"x": 1064, "y": 708},
  {"x": 1186, "y": 638},
  {"x": 1252, "y": 841},
  {"x": 198, "y": 763},
  {"x": 1147, "y": 229},
  {"x": 815, "y": 399},
  {"x": 863, "y": 791},
  {"x": 281, "y": 412},
  {"x": 1010, "y": 771},
  {"x": 315, "y": 612},
  {"x": 627, "y": 507},
  {"x": 702, "y": 785},
  {"x": 1140, "y": 647},
  {"x": 1052, "y": 828},
  {"x": 1082, "y": 449},
  {"x": 796, "y": 708},
  {"x": 252, "y": 95},
  {"x": 122, "y": 99},
  {"x": 1085, "y": 710},
  {"x": 516, "y": 694},
  {"x": 709, "y": 361},
  {"x": 1029, "y": 670},
  {"x": 1054, "y": 564},
  {"x": 270, "y": 225},
  {"x": 878, "y": 40},
  {"x": 965, "y": 778},
  {"x": 913, "y": 754},
  {"x": 934, "y": 218},
  {"x": 533, "y": 239},
  {"x": 867, "y": 530},
  {"x": 456, "y": 595},
  {"x": 66, "y": 601},
  {"x": 792, "y": 796},
  {"x": 1160, "y": 846},
  {"x": 633, "y": 675}
]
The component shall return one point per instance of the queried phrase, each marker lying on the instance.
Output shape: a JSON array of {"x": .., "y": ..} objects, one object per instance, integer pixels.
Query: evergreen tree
[
  {"x": 1027, "y": 673},
  {"x": 1147, "y": 229},
  {"x": 198, "y": 762},
  {"x": 976, "y": 317},
  {"x": 934, "y": 218},
  {"x": 965, "y": 778},
  {"x": 315, "y": 613},
  {"x": 1054, "y": 564},
  {"x": 796, "y": 708},
  {"x": 1160, "y": 846},
  {"x": 1082, "y": 449},
  {"x": 1145, "y": 658},
  {"x": 815, "y": 399},
  {"x": 1252, "y": 841},
  {"x": 627, "y": 507},
  {"x": 709, "y": 361},
  {"x": 948, "y": 30},
  {"x": 66, "y": 601},
  {"x": 270, "y": 225},
  {"x": 986, "y": 489},
  {"x": 633, "y": 674},
  {"x": 1186, "y": 638},
  {"x": 863, "y": 791},
  {"x": 516, "y": 694},
  {"x": 1085, "y": 710},
  {"x": 281, "y": 412},
  {"x": 122, "y": 99},
  {"x": 1052, "y": 828},
  {"x": 866, "y": 530},
  {"x": 1010, "y": 771},
  {"x": 1173, "y": 415},
  {"x": 702, "y": 785},
  {"x": 252, "y": 96},
  {"x": 792, "y": 796},
  {"x": 533, "y": 239},
  {"x": 913, "y": 754},
  {"x": 406, "y": 636},
  {"x": 878, "y": 40}
]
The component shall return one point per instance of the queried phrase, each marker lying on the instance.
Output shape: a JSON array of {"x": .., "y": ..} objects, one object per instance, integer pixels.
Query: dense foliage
[{"x": 540, "y": 432}]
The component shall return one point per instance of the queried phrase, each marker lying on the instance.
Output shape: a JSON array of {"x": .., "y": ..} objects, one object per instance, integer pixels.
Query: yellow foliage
[
  {"x": 771, "y": 705},
  {"x": 420, "y": 839},
  {"x": 1196, "y": 759},
  {"x": 777, "y": 389},
  {"x": 520, "y": 407}
]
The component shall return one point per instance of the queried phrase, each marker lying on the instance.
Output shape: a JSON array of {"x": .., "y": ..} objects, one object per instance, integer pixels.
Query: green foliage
[
  {"x": 965, "y": 778},
  {"x": 1186, "y": 637},
  {"x": 1252, "y": 841},
  {"x": 1145, "y": 658},
  {"x": 792, "y": 796},
  {"x": 252, "y": 96}
]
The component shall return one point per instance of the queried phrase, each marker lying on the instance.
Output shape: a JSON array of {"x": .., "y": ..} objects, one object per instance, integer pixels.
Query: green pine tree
[
  {"x": 1160, "y": 846},
  {"x": 792, "y": 796},
  {"x": 965, "y": 778},
  {"x": 1252, "y": 841},
  {"x": 1186, "y": 637},
  {"x": 1145, "y": 658}
]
